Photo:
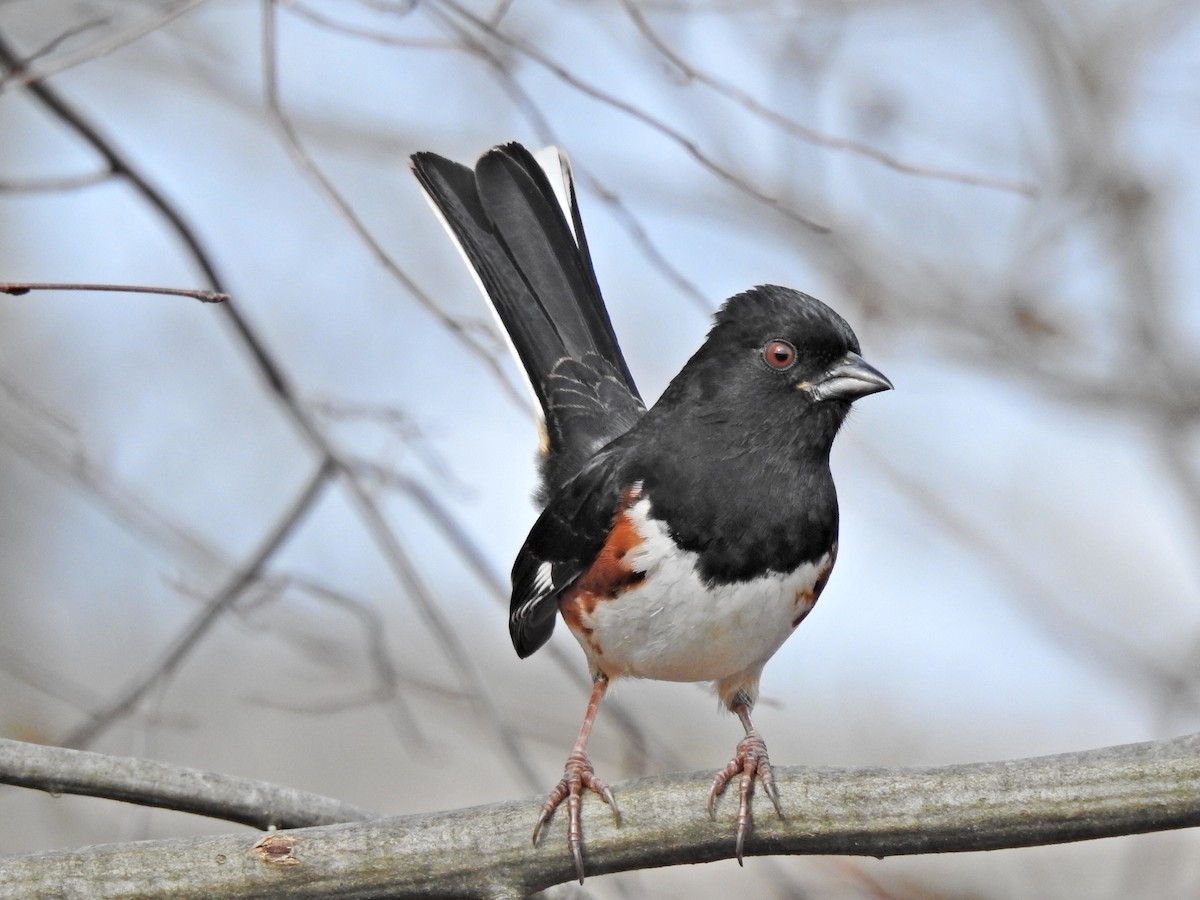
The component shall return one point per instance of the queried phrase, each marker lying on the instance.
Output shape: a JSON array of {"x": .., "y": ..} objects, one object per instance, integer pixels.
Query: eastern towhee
[{"x": 684, "y": 542}]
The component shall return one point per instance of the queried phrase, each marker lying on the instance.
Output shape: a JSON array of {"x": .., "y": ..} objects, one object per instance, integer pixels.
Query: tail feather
[
  {"x": 529, "y": 254},
  {"x": 450, "y": 189}
]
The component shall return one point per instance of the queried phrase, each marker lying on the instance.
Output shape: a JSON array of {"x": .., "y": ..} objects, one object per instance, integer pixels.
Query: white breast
[{"x": 673, "y": 627}]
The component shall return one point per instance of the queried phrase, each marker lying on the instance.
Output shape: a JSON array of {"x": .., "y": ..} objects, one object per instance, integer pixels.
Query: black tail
[{"x": 532, "y": 263}]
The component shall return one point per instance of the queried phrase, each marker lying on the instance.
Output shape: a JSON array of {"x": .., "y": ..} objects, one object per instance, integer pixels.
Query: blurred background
[{"x": 271, "y": 539}]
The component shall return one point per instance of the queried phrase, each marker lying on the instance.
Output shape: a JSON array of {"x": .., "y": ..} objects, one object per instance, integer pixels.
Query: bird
[{"x": 682, "y": 542}]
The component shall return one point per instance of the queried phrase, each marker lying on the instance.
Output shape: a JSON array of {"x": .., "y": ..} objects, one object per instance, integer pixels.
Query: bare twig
[
  {"x": 208, "y": 616},
  {"x": 21, "y": 73},
  {"x": 811, "y": 135},
  {"x": 144, "y": 782},
  {"x": 304, "y": 161},
  {"x": 677, "y": 137},
  {"x": 637, "y": 740},
  {"x": 44, "y": 678},
  {"x": 24, "y": 287},
  {"x": 485, "y": 851},
  {"x": 367, "y": 34},
  {"x": 387, "y": 687},
  {"x": 43, "y": 438},
  {"x": 376, "y": 523},
  {"x": 1083, "y": 636},
  {"x": 456, "y": 653},
  {"x": 639, "y": 236},
  {"x": 48, "y": 185},
  {"x": 117, "y": 164},
  {"x": 271, "y": 372},
  {"x": 280, "y": 385},
  {"x": 58, "y": 40}
]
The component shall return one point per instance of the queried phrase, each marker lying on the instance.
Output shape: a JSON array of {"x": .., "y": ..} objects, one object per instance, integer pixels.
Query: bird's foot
[
  {"x": 750, "y": 759},
  {"x": 577, "y": 776}
]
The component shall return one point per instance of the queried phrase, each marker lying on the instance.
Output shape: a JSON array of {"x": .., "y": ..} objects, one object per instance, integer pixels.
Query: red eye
[{"x": 779, "y": 354}]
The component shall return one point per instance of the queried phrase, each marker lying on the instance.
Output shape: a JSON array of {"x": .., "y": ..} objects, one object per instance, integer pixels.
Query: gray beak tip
[{"x": 851, "y": 378}]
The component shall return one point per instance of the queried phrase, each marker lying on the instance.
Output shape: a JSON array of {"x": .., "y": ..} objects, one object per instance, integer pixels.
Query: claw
[
  {"x": 750, "y": 759},
  {"x": 577, "y": 776},
  {"x": 767, "y": 776},
  {"x": 556, "y": 797}
]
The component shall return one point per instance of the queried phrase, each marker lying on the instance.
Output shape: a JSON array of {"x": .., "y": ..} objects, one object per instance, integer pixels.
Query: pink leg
[
  {"x": 750, "y": 758},
  {"x": 578, "y": 775}
]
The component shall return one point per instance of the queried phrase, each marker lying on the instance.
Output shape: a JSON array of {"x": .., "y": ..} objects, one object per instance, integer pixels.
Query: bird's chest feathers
[{"x": 643, "y": 609}]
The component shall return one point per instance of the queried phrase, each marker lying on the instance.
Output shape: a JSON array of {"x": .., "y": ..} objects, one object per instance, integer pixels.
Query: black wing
[
  {"x": 533, "y": 264},
  {"x": 562, "y": 544}
]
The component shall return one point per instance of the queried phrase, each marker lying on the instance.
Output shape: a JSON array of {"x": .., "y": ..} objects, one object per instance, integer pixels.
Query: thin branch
[
  {"x": 51, "y": 184},
  {"x": 144, "y": 782},
  {"x": 485, "y": 851},
  {"x": 58, "y": 40},
  {"x": 391, "y": 7},
  {"x": 367, "y": 34},
  {"x": 646, "y": 245},
  {"x": 45, "y": 679},
  {"x": 368, "y": 509},
  {"x": 1078, "y": 634},
  {"x": 118, "y": 165},
  {"x": 283, "y": 126},
  {"x": 271, "y": 372},
  {"x": 280, "y": 385},
  {"x": 444, "y": 633},
  {"x": 811, "y": 135},
  {"x": 677, "y": 137},
  {"x": 639, "y": 236},
  {"x": 386, "y": 691},
  {"x": 44, "y": 437},
  {"x": 208, "y": 616},
  {"x": 19, "y": 288},
  {"x": 21, "y": 73},
  {"x": 637, "y": 741}
]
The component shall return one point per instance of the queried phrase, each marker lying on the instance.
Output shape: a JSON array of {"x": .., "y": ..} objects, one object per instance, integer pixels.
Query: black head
[
  {"x": 735, "y": 455},
  {"x": 774, "y": 358}
]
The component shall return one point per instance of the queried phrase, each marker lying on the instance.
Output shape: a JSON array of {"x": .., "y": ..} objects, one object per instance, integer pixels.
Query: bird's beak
[{"x": 848, "y": 379}]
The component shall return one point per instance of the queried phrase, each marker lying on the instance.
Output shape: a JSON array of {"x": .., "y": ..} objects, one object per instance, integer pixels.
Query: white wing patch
[
  {"x": 543, "y": 580},
  {"x": 543, "y": 587}
]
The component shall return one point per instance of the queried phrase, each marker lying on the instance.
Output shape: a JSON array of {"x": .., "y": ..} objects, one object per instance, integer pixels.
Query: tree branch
[
  {"x": 485, "y": 851},
  {"x": 150, "y": 783},
  {"x": 24, "y": 287}
]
